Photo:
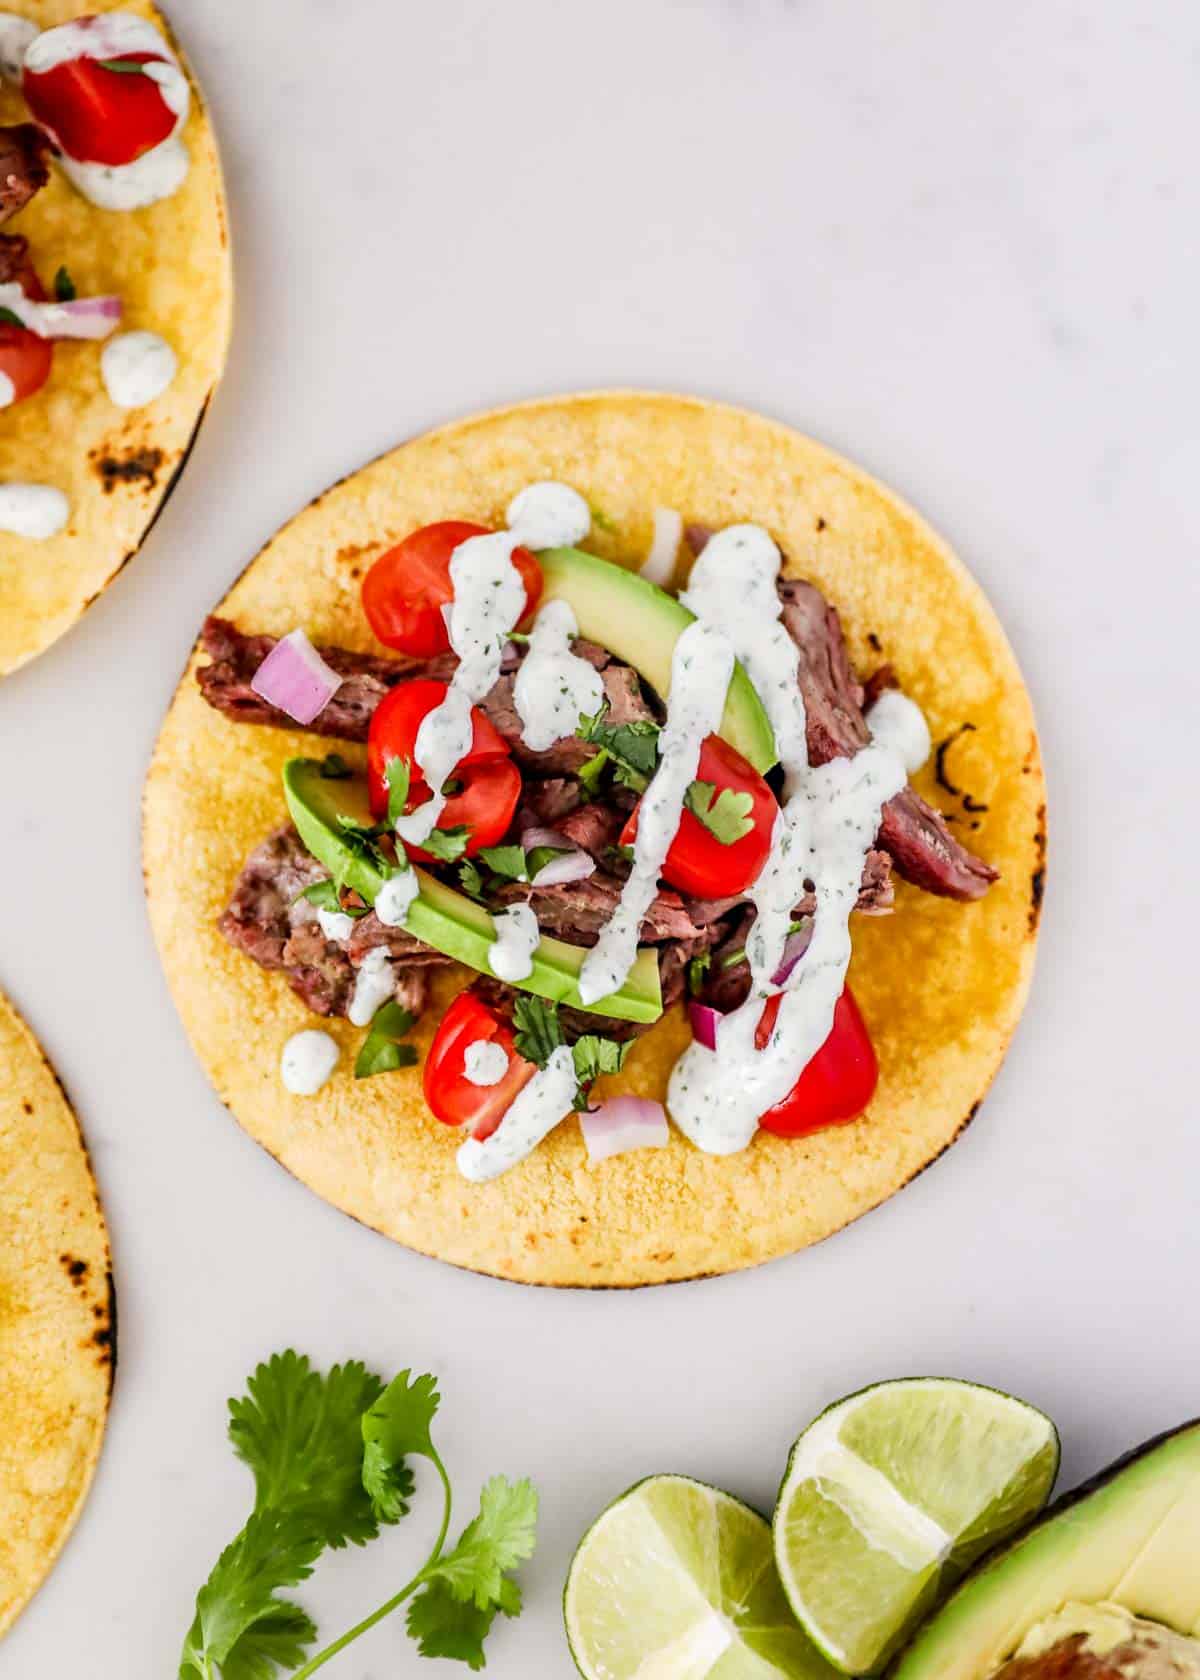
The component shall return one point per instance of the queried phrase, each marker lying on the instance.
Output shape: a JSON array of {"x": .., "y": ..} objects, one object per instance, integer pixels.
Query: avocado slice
[
  {"x": 640, "y": 624},
  {"x": 1130, "y": 1540},
  {"x": 441, "y": 917}
]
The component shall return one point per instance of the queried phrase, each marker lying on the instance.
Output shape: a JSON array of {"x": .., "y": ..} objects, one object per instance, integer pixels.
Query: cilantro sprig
[
  {"x": 537, "y": 1034},
  {"x": 382, "y": 1050},
  {"x": 330, "y": 1459},
  {"x": 725, "y": 814},
  {"x": 632, "y": 751}
]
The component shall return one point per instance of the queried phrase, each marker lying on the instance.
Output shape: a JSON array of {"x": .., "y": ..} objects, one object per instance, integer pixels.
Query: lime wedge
[
  {"x": 891, "y": 1494},
  {"x": 676, "y": 1581}
]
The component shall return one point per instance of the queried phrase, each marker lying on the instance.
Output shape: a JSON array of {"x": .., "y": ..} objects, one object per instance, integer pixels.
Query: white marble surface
[{"x": 957, "y": 242}]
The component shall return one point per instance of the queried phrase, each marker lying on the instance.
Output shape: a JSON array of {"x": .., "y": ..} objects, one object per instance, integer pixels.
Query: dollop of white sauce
[
  {"x": 548, "y": 515},
  {"x": 510, "y": 955},
  {"x": 157, "y": 174},
  {"x": 336, "y": 925},
  {"x": 307, "y": 1061},
  {"x": 137, "y": 367},
  {"x": 554, "y": 686},
  {"x": 659, "y": 565},
  {"x": 485, "y": 1063},
  {"x": 17, "y": 35},
  {"x": 394, "y": 897},
  {"x": 33, "y": 510},
  {"x": 828, "y": 823},
  {"x": 373, "y": 986},
  {"x": 701, "y": 666},
  {"x": 489, "y": 598},
  {"x": 7, "y": 391},
  {"x": 898, "y": 723},
  {"x": 535, "y": 1111}
]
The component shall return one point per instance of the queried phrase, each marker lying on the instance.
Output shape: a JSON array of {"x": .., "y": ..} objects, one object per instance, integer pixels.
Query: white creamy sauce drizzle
[
  {"x": 7, "y": 391},
  {"x": 374, "y": 985},
  {"x": 307, "y": 1061},
  {"x": 33, "y": 510},
  {"x": 394, "y": 897},
  {"x": 510, "y": 955},
  {"x": 17, "y": 34},
  {"x": 335, "y": 925},
  {"x": 535, "y": 1111},
  {"x": 659, "y": 565},
  {"x": 897, "y": 722},
  {"x": 485, "y": 1063},
  {"x": 554, "y": 686},
  {"x": 828, "y": 823},
  {"x": 489, "y": 598},
  {"x": 701, "y": 667},
  {"x": 137, "y": 367},
  {"x": 157, "y": 173}
]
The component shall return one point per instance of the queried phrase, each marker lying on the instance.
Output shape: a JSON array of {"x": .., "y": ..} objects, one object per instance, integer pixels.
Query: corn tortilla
[
  {"x": 941, "y": 984},
  {"x": 57, "y": 1319},
  {"x": 170, "y": 266}
]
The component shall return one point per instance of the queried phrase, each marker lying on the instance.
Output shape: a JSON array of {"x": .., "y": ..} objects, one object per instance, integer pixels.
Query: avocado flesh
[
  {"x": 639, "y": 624},
  {"x": 1132, "y": 1541},
  {"x": 448, "y": 920}
]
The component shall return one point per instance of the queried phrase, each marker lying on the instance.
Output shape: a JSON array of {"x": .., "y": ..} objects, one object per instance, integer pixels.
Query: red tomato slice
[
  {"x": 484, "y": 805},
  {"x": 405, "y": 590},
  {"x": 700, "y": 864},
  {"x": 99, "y": 115},
  {"x": 837, "y": 1084},
  {"x": 450, "y": 1094},
  {"x": 25, "y": 359},
  {"x": 396, "y": 723}
]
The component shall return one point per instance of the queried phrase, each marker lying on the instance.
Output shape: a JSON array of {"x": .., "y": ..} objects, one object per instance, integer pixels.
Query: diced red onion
[
  {"x": 794, "y": 948},
  {"x": 532, "y": 838},
  {"x": 570, "y": 866},
  {"x": 624, "y": 1123},
  {"x": 295, "y": 678},
  {"x": 659, "y": 565},
  {"x": 705, "y": 1021},
  {"x": 93, "y": 317}
]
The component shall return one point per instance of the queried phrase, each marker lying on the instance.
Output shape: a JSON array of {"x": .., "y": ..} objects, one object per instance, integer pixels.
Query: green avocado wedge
[
  {"x": 447, "y": 920},
  {"x": 1128, "y": 1541},
  {"x": 640, "y": 624}
]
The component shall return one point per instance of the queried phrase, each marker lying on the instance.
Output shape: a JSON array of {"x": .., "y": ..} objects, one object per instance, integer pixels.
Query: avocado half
[
  {"x": 449, "y": 921},
  {"x": 1129, "y": 1541}
]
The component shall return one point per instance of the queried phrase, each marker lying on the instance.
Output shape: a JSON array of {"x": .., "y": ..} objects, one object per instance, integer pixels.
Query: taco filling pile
[{"x": 604, "y": 799}]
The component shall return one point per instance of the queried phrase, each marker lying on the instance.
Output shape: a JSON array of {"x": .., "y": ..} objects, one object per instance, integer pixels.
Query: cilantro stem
[{"x": 393, "y": 1603}]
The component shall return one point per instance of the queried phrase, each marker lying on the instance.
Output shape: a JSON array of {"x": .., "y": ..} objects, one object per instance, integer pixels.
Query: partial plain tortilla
[
  {"x": 941, "y": 984},
  {"x": 170, "y": 265},
  {"x": 57, "y": 1318}
]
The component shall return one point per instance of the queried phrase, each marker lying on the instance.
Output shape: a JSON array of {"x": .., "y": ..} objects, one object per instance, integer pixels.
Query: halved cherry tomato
[
  {"x": 700, "y": 864},
  {"x": 453, "y": 1098},
  {"x": 836, "y": 1085},
  {"x": 405, "y": 590},
  {"x": 25, "y": 358},
  {"x": 99, "y": 115},
  {"x": 489, "y": 783}
]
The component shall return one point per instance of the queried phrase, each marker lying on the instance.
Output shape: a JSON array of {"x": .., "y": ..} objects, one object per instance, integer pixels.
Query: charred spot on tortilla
[
  {"x": 140, "y": 466},
  {"x": 940, "y": 773}
]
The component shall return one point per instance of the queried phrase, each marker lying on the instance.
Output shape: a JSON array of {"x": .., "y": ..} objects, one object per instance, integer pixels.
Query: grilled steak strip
[
  {"x": 271, "y": 924},
  {"x": 23, "y": 171}
]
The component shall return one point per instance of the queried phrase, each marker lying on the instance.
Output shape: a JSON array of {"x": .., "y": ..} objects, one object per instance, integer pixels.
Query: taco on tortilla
[
  {"x": 115, "y": 299},
  {"x": 509, "y": 834},
  {"x": 57, "y": 1318}
]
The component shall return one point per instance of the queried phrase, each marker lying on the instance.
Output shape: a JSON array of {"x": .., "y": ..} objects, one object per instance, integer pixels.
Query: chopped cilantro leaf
[
  {"x": 470, "y": 879},
  {"x": 323, "y": 894},
  {"x": 507, "y": 861},
  {"x": 591, "y": 774},
  {"x": 446, "y": 843},
  {"x": 396, "y": 774},
  {"x": 536, "y": 1030},
  {"x": 726, "y": 815},
  {"x": 697, "y": 968},
  {"x": 382, "y": 1051},
  {"x": 64, "y": 287},
  {"x": 540, "y": 856},
  {"x": 632, "y": 746},
  {"x": 8, "y": 318},
  {"x": 123, "y": 66},
  {"x": 594, "y": 1055}
]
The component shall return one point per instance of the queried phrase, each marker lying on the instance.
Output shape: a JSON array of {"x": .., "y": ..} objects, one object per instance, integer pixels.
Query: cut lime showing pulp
[
  {"x": 676, "y": 1581},
  {"x": 891, "y": 1494}
]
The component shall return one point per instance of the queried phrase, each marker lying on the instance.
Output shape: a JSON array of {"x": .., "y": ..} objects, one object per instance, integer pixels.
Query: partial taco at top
[
  {"x": 511, "y": 834},
  {"x": 115, "y": 299}
]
